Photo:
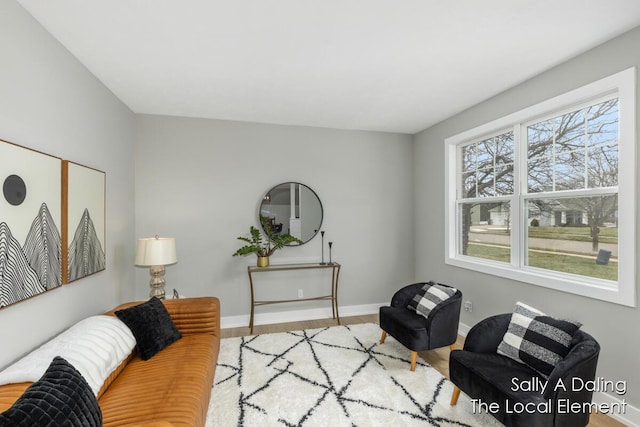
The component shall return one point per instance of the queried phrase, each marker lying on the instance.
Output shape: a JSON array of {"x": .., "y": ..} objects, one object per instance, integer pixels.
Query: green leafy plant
[{"x": 264, "y": 246}]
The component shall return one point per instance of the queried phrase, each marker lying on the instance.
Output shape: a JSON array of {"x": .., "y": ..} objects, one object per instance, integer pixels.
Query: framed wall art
[
  {"x": 30, "y": 220},
  {"x": 83, "y": 221}
]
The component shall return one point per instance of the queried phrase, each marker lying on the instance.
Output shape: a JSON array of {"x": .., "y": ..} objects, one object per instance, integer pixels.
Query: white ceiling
[{"x": 383, "y": 65}]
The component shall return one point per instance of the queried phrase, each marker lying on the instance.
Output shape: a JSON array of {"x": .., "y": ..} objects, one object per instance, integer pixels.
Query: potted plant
[{"x": 264, "y": 247}]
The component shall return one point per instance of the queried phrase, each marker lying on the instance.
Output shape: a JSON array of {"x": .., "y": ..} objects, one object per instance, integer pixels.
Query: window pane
[
  {"x": 504, "y": 148},
  {"x": 540, "y": 137},
  {"x": 486, "y": 184},
  {"x": 469, "y": 158},
  {"x": 468, "y": 185},
  {"x": 540, "y": 174},
  {"x": 602, "y": 166},
  {"x": 570, "y": 170},
  {"x": 576, "y": 150},
  {"x": 485, "y": 231},
  {"x": 603, "y": 122},
  {"x": 504, "y": 180},
  {"x": 570, "y": 132},
  {"x": 487, "y": 167},
  {"x": 574, "y": 235},
  {"x": 602, "y": 156},
  {"x": 485, "y": 153},
  {"x": 540, "y": 156}
]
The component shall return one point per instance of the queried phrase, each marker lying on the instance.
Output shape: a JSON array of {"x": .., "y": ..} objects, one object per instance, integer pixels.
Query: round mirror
[{"x": 292, "y": 208}]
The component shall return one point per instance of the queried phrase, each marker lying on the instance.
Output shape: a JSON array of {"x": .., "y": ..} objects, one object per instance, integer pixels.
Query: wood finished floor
[{"x": 438, "y": 358}]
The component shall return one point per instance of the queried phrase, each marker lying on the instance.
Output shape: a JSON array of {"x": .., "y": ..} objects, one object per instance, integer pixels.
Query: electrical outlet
[
  {"x": 300, "y": 293},
  {"x": 468, "y": 306}
]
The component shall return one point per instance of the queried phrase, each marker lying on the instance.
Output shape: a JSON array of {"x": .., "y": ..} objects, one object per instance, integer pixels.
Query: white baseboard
[
  {"x": 298, "y": 315},
  {"x": 463, "y": 329},
  {"x": 629, "y": 416}
]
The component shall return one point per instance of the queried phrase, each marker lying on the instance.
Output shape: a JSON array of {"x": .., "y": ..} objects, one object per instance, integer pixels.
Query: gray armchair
[
  {"x": 483, "y": 374},
  {"x": 416, "y": 332}
]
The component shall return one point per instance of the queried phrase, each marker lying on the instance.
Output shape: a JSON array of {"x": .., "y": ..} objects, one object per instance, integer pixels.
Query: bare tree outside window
[
  {"x": 578, "y": 151},
  {"x": 487, "y": 171},
  {"x": 573, "y": 152}
]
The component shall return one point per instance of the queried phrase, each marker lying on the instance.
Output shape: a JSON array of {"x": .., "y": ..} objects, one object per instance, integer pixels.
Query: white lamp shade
[{"x": 156, "y": 251}]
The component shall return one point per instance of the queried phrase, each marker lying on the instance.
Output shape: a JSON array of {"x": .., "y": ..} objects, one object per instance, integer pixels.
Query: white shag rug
[{"x": 335, "y": 376}]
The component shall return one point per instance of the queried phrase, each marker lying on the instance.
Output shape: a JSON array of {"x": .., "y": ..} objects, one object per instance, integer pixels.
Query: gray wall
[
  {"x": 201, "y": 182},
  {"x": 51, "y": 103},
  {"x": 609, "y": 323}
]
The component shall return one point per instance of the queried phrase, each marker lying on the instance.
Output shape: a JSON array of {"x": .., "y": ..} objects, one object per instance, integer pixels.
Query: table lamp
[{"x": 156, "y": 252}]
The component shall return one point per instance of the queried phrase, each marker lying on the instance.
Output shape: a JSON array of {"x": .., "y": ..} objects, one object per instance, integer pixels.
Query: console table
[{"x": 335, "y": 273}]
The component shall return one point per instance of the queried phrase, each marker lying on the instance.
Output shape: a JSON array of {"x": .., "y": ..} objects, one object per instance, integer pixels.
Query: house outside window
[{"x": 547, "y": 195}]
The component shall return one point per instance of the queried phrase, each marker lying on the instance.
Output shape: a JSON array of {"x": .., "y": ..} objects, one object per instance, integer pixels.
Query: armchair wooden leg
[
  {"x": 414, "y": 357},
  {"x": 455, "y": 395},
  {"x": 383, "y": 337}
]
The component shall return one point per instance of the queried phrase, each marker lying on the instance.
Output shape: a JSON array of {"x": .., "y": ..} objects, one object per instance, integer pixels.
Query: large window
[{"x": 547, "y": 194}]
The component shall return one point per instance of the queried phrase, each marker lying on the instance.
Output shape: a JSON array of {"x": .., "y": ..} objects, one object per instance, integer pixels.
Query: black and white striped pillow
[
  {"x": 429, "y": 297},
  {"x": 537, "y": 340}
]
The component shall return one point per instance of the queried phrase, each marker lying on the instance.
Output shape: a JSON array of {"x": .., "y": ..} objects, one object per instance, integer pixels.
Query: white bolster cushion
[{"x": 95, "y": 346}]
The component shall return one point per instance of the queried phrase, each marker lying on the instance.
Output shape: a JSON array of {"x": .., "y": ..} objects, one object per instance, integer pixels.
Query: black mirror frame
[{"x": 316, "y": 231}]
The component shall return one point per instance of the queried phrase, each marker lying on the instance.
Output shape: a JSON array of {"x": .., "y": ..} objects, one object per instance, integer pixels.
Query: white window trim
[{"x": 624, "y": 292}]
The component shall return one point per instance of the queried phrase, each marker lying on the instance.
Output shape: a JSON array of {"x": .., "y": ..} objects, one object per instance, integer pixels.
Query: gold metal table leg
[
  {"x": 252, "y": 301},
  {"x": 334, "y": 291}
]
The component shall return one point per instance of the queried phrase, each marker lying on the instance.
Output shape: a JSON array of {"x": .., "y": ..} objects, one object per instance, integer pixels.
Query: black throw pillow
[
  {"x": 60, "y": 398},
  {"x": 151, "y": 325}
]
